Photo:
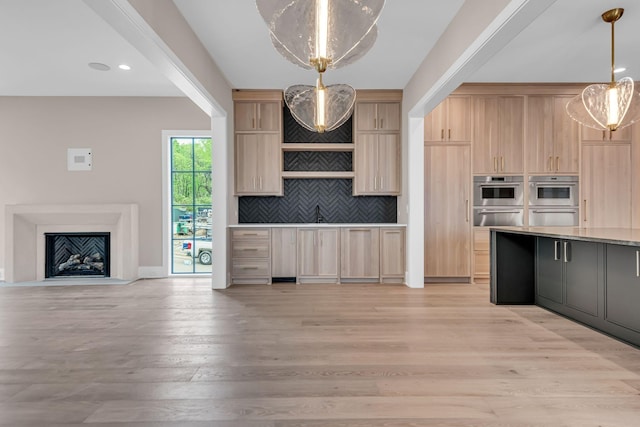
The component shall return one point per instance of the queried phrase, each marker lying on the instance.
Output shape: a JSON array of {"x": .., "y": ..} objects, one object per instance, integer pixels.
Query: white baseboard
[
  {"x": 154, "y": 272},
  {"x": 1, "y": 273}
]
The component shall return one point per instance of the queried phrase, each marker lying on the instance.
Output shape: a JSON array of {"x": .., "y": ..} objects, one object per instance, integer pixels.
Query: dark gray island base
[{"x": 588, "y": 275}]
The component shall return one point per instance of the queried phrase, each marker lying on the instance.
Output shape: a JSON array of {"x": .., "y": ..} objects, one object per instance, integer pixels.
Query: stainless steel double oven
[
  {"x": 498, "y": 200},
  {"x": 553, "y": 200}
]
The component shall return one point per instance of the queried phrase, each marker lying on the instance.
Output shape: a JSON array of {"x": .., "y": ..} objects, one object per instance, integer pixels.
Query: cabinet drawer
[
  {"x": 481, "y": 239},
  {"x": 250, "y": 249},
  {"x": 250, "y": 268},
  {"x": 250, "y": 233}
]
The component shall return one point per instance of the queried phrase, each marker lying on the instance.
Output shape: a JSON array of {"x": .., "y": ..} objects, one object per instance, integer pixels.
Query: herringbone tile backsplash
[
  {"x": 301, "y": 196},
  {"x": 333, "y": 196}
]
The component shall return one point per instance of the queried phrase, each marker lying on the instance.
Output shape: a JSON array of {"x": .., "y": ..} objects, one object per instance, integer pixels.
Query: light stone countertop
[
  {"x": 619, "y": 236},
  {"x": 316, "y": 225}
]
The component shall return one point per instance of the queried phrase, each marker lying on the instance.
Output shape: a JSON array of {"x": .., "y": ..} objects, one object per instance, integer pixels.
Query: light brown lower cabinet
[
  {"x": 318, "y": 255},
  {"x": 481, "y": 254},
  {"x": 360, "y": 249},
  {"x": 251, "y": 256},
  {"x": 284, "y": 252},
  {"x": 392, "y": 255}
]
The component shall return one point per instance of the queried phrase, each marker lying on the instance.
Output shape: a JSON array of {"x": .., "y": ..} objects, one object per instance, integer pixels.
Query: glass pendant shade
[
  {"x": 607, "y": 106},
  {"x": 320, "y": 108},
  {"x": 321, "y": 34}
]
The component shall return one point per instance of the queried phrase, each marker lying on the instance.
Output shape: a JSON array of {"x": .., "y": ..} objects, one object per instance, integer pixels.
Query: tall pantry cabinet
[{"x": 447, "y": 187}]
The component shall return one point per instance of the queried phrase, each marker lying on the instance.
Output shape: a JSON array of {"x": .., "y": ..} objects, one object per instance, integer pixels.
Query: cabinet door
[
  {"x": 606, "y": 185},
  {"x": 246, "y": 156},
  {"x": 328, "y": 251},
  {"x": 388, "y": 160},
  {"x": 269, "y": 116},
  {"x": 458, "y": 119},
  {"x": 366, "y": 118},
  {"x": 307, "y": 252},
  {"x": 392, "y": 247},
  {"x": 365, "y": 164},
  {"x": 622, "y": 289},
  {"x": 254, "y": 116},
  {"x": 540, "y": 134},
  {"x": 581, "y": 284},
  {"x": 269, "y": 164},
  {"x": 283, "y": 251},
  {"x": 434, "y": 123},
  {"x": 548, "y": 270},
  {"x": 447, "y": 197},
  {"x": 388, "y": 116},
  {"x": 510, "y": 134},
  {"x": 485, "y": 135},
  {"x": 245, "y": 116},
  {"x": 360, "y": 248},
  {"x": 565, "y": 138}
]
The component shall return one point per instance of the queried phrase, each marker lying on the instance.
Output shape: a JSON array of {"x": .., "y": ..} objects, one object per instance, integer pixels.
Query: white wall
[{"x": 125, "y": 135}]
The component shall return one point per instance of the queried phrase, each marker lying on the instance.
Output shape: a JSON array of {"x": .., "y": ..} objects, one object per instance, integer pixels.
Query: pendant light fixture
[
  {"x": 321, "y": 35},
  {"x": 607, "y": 106},
  {"x": 320, "y": 108}
]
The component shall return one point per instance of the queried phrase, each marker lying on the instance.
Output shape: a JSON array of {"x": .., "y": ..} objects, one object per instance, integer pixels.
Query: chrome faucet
[{"x": 319, "y": 217}]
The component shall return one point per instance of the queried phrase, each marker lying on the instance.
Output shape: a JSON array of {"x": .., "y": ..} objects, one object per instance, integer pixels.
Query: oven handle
[
  {"x": 564, "y": 184},
  {"x": 575, "y": 211},
  {"x": 498, "y": 212},
  {"x": 507, "y": 185}
]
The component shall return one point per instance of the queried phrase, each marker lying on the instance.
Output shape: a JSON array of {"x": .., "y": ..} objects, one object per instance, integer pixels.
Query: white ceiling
[{"x": 45, "y": 47}]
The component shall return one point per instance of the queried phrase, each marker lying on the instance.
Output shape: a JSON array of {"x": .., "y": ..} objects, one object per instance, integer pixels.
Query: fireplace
[{"x": 77, "y": 254}]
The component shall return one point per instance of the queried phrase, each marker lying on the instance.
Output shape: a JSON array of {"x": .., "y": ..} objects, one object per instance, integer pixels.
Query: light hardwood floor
[{"x": 175, "y": 353}]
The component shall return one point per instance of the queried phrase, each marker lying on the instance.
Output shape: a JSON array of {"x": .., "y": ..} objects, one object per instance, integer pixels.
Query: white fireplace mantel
[{"x": 25, "y": 226}]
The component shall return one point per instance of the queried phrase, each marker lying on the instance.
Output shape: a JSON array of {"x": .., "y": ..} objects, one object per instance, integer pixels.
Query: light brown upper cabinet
[
  {"x": 377, "y": 145},
  {"x": 552, "y": 136},
  {"x": 258, "y": 165},
  {"x": 258, "y": 138},
  {"x": 258, "y": 116},
  {"x": 450, "y": 121},
  {"x": 498, "y": 134},
  {"x": 620, "y": 135},
  {"x": 377, "y": 116},
  {"x": 377, "y": 164}
]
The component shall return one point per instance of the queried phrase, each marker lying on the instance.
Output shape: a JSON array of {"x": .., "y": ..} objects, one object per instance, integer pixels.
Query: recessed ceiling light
[
  {"x": 619, "y": 70},
  {"x": 124, "y": 67},
  {"x": 99, "y": 66}
]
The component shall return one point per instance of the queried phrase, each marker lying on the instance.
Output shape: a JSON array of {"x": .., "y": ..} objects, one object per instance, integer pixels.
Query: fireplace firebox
[{"x": 77, "y": 254}]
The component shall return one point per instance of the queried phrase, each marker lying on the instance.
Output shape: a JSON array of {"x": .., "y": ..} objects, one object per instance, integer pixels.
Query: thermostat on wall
[{"x": 79, "y": 159}]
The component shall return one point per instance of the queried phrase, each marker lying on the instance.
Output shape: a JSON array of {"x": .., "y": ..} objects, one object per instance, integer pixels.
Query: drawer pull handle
[
  {"x": 566, "y": 245},
  {"x": 250, "y": 249},
  {"x": 637, "y": 263},
  {"x": 249, "y": 268},
  {"x": 556, "y": 243}
]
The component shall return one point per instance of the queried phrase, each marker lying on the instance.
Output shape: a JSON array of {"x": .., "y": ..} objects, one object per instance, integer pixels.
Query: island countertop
[
  {"x": 619, "y": 236},
  {"x": 316, "y": 225}
]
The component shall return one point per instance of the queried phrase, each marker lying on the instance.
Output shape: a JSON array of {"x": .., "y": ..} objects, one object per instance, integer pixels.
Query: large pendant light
[
  {"x": 607, "y": 106},
  {"x": 321, "y": 35}
]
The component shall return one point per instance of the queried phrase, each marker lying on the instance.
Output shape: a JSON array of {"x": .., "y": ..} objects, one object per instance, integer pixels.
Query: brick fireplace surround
[{"x": 25, "y": 226}]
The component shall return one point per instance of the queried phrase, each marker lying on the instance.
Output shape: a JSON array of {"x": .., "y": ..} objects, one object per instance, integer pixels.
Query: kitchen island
[{"x": 588, "y": 275}]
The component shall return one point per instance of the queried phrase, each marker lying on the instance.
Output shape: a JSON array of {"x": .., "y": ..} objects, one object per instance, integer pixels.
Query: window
[{"x": 191, "y": 245}]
